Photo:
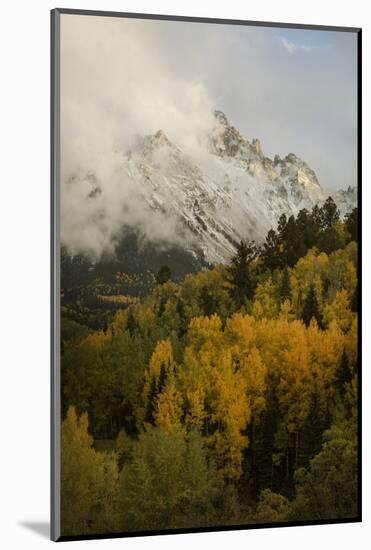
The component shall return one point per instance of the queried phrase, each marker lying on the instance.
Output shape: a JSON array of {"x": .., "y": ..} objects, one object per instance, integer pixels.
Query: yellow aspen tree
[
  {"x": 88, "y": 479},
  {"x": 339, "y": 311},
  {"x": 265, "y": 295},
  {"x": 169, "y": 408},
  {"x": 286, "y": 311},
  {"x": 194, "y": 380},
  {"x": 97, "y": 339},
  {"x": 351, "y": 342},
  {"x": 162, "y": 356},
  {"x": 254, "y": 372},
  {"x": 230, "y": 413},
  {"x": 161, "y": 360},
  {"x": 241, "y": 330}
]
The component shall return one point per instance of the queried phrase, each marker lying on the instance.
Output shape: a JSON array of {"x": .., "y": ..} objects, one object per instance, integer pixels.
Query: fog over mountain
[{"x": 145, "y": 145}]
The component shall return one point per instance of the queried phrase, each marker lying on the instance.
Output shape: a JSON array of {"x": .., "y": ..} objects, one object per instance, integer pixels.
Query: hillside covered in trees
[{"x": 227, "y": 396}]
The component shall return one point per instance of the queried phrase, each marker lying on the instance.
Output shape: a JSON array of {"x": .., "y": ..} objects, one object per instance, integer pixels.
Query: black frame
[{"x": 55, "y": 271}]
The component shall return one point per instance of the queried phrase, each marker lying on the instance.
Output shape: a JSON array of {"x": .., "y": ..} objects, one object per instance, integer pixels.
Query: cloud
[
  {"x": 115, "y": 85},
  {"x": 291, "y": 47}
]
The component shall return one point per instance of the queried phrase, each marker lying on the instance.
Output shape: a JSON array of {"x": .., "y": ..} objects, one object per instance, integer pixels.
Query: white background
[{"x": 24, "y": 269}]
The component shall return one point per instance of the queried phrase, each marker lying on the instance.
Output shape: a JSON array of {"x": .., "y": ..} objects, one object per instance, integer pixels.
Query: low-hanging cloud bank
[{"x": 115, "y": 86}]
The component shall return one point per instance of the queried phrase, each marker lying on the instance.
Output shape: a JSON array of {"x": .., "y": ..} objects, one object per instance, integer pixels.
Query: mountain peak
[
  {"x": 153, "y": 142},
  {"x": 297, "y": 170},
  {"x": 160, "y": 134},
  {"x": 256, "y": 145},
  {"x": 221, "y": 117},
  {"x": 161, "y": 138}
]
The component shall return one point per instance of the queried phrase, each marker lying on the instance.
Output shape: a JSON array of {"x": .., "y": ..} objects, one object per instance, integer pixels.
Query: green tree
[
  {"x": 162, "y": 379},
  {"x": 330, "y": 239},
  {"x": 328, "y": 488},
  {"x": 271, "y": 254},
  {"x": 311, "y": 308},
  {"x": 239, "y": 275},
  {"x": 351, "y": 224},
  {"x": 307, "y": 229},
  {"x": 131, "y": 323},
  {"x": 163, "y": 275},
  {"x": 330, "y": 213},
  {"x": 207, "y": 301},
  {"x": 271, "y": 508},
  {"x": 169, "y": 482},
  {"x": 285, "y": 287},
  {"x": 151, "y": 402},
  {"x": 316, "y": 422},
  {"x": 343, "y": 372},
  {"x": 88, "y": 480},
  {"x": 292, "y": 240}
]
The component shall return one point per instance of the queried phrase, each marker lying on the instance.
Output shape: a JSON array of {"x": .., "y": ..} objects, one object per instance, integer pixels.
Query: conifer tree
[
  {"x": 161, "y": 307},
  {"x": 151, "y": 402},
  {"x": 271, "y": 254},
  {"x": 239, "y": 275},
  {"x": 315, "y": 424},
  {"x": 311, "y": 308},
  {"x": 182, "y": 319},
  {"x": 163, "y": 275},
  {"x": 351, "y": 224},
  {"x": 343, "y": 372},
  {"x": 162, "y": 379},
  {"x": 131, "y": 323},
  {"x": 207, "y": 301},
  {"x": 330, "y": 213},
  {"x": 285, "y": 289}
]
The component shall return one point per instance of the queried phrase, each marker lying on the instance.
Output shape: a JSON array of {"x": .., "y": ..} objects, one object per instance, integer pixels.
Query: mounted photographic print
[{"x": 205, "y": 274}]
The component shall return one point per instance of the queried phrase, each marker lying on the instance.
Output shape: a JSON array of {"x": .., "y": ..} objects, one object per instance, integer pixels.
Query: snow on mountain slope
[
  {"x": 225, "y": 192},
  {"x": 233, "y": 192}
]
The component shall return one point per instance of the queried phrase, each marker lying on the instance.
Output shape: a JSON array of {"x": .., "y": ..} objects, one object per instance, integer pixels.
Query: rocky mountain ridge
[{"x": 231, "y": 192}]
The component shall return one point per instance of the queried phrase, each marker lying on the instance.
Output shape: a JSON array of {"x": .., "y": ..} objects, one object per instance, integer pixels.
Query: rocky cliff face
[{"x": 231, "y": 192}]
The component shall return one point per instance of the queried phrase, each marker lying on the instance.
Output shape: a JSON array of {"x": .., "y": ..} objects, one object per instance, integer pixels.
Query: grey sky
[{"x": 294, "y": 90}]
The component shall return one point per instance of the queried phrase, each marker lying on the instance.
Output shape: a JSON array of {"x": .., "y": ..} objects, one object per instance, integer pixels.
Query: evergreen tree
[
  {"x": 162, "y": 379},
  {"x": 343, "y": 372},
  {"x": 180, "y": 308},
  {"x": 330, "y": 213},
  {"x": 264, "y": 444},
  {"x": 311, "y": 308},
  {"x": 317, "y": 217},
  {"x": 292, "y": 242},
  {"x": 131, "y": 323},
  {"x": 328, "y": 487},
  {"x": 271, "y": 255},
  {"x": 151, "y": 402},
  {"x": 207, "y": 301},
  {"x": 317, "y": 421},
  {"x": 330, "y": 240},
  {"x": 285, "y": 288},
  {"x": 161, "y": 307},
  {"x": 239, "y": 276},
  {"x": 351, "y": 224},
  {"x": 307, "y": 230},
  {"x": 163, "y": 275},
  {"x": 282, "y": 222},
  {"x": 182, "y": 317}
]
